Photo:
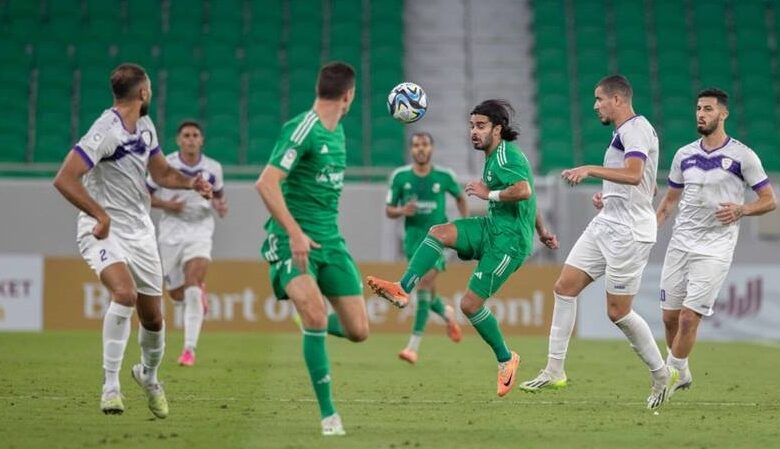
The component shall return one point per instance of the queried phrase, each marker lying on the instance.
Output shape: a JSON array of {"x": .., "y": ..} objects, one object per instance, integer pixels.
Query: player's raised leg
[
  {"x": 310, "y": 305},
  {"x": 423, "y": 260},
  {"x": 151, "y": 338},
  {"x": 116, "y": 332}
]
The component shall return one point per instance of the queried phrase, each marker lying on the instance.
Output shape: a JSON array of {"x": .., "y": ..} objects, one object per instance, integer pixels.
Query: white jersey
[
  {"x": 626, "y": 204},
  {"x": 118, "y": 159},
  {"x": 196, "y": 221},
  {"x": 709, "y": 178}
]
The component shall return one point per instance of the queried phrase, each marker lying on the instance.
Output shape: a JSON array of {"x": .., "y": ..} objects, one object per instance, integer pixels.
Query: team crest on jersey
[
  {"x": 436, "y": 187},
  {"x": 726, "y": 163},
  {"x": 289, "y": 158},
  {"x": 489, "y": 176},
  {"x": 146, "y": 137}
]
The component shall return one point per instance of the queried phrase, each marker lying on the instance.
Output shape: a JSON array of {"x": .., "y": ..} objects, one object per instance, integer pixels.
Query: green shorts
[
  {"x": 494, "y": 251},
  {"x": 331, "y": 266},
  {"x": 412, "y": 240}
]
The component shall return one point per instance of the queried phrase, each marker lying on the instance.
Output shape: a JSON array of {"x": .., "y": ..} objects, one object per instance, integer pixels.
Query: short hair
[
  {"x": 616, "y": 84},
  {"x": 422, "y": 134},
  {"x": 187, "y": 123},
  {"x": 125, "y": 78},
  {"x": 500, "y": 112},
  {"x": 714, "y": 92},
  {"x": 334, "y": 80}
]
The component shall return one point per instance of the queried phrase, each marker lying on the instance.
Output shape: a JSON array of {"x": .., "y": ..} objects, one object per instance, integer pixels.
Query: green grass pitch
[{"x": 251, "y": 391}]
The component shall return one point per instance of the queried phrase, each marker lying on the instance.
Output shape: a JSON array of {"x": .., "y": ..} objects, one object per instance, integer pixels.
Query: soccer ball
[{"x": 407, "y": 102}]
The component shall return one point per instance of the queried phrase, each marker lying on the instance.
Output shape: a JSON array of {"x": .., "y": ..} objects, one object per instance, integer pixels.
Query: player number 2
[{"x": 103, "y": 256}]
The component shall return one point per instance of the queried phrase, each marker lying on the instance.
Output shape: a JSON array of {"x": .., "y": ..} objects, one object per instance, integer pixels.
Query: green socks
[
  {"x": 317, "y": 363},
  {"x": 438, "y": 307},
  {"x": 334, "y": 325},
  {"x": 487, "y": 327},
  {"x": 423, "y": 306},
  {"x": 423, "y": 260}
]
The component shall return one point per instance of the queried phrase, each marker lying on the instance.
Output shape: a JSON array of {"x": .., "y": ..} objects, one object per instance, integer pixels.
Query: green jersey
[
  {"x": 314, "y": 159},
  {"x": 506, "y": 166},
  {"x": 429, "y": 192}
]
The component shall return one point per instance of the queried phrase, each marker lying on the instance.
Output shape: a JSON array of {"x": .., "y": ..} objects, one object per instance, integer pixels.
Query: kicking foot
[
  {"x": 391, "y": 291},
  {"x": 506, "y": 374},
  {"x": 684, "y": 382}
]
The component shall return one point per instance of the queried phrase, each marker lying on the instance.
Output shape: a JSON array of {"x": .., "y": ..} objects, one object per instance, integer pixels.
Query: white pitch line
[{"x": 416, "y": 401}]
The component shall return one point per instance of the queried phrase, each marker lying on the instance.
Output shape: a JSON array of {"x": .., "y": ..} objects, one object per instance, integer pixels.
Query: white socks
[
  {"x": 564, "y": 315},
  {"x": 678, "y": 364},
  {"x": 414, "y": 342},
  {"x": 116, "y": 332},
  {"x": 193, "y": 316},
  {"x": 152, "y": 349},
  {"x": 641, "y": 338}
]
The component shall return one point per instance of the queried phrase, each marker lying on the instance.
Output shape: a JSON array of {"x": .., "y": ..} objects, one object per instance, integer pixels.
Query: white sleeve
[
  {"x": 95, "y": 145},
  {"x": 154, "y": 143},
  {"x": 753, "y": 171},
  {"x": 219, "y": 182},
  {"x": 676, "y": 178},
  {"x": 636, "y": 142}
]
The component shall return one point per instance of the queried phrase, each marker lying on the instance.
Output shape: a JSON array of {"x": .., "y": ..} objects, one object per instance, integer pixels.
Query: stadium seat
[{"x": 178, "y": 54}]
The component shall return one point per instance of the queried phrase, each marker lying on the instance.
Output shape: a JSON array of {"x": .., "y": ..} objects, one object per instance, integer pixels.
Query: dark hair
[
  {"x": 188, "y": 123},
  {"x": 422, "y": 134},
  {"x": 616, "y": 84},
  {"x": 500, "y": 112},
  {"x": 125, "y": 78},
  {"x": 714, "y": 92},
  {"x": 335, "y": 79}
]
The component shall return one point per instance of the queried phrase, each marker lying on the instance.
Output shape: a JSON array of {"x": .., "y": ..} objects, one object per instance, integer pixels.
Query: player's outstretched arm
[
  {"x": 630, "y": 173},
  {"x": 166, "y": 176},
  {"x": 731, "y": 212},
  {"x": 68, "y": 183},
  {"x": 668, "y": 205},
  {"x": 268, "y": 185}
]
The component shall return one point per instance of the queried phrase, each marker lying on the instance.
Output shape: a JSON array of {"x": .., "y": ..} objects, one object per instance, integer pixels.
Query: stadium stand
[
  {"x": 691, "y": 45},
  {"x": 242, "y": 67}
]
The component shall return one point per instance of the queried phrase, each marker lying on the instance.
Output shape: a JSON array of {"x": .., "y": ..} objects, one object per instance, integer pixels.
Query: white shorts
[
  {"x": 692, "y": 280},
  {"x": 174, "y": 257},
  {"x": 607, "y": 248},
  {"x": 140, "y": 255}
]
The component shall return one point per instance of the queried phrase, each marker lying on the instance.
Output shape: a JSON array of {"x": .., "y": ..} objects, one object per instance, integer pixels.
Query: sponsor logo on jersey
[
  {"x": 289, "y": 158},
  {"x": 328, "y": 176}
]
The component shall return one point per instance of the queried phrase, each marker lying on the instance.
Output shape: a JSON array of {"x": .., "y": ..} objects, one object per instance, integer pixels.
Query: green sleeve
[
  {"x": 394, "y": 191},
  {"x": 514, "y": 170},
  {"x": 288, "y": 151}
]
